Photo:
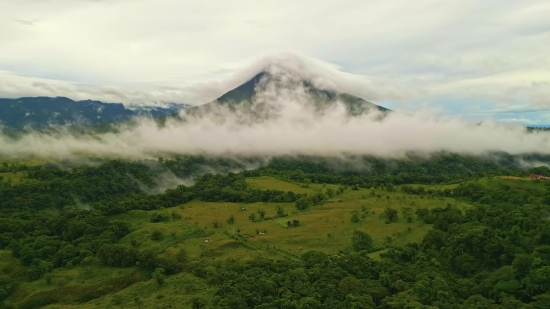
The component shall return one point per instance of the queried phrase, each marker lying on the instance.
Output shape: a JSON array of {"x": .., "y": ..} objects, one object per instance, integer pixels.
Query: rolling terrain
[
  {"x": 170, "y": 254},
  {"x": 326, "y": 228}
]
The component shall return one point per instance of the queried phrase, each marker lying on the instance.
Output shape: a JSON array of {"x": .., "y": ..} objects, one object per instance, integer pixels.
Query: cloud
[
  {"x": 13, "y": 86},
  {"x": 24, "y": 22},
  {"x": 285, "y": 120},
  {"x": 322, "y": 74},
  {"x": 184, "y": 51},
  {"x": 517, "y": 120}
]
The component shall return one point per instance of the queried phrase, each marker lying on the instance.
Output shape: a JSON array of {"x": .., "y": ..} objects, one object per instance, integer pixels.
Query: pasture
[
  {"x": 13, "y": 177},
  {"x": 203, "y": 231}
]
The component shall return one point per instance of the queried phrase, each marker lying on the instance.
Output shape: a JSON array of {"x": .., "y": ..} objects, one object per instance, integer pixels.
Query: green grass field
[
  {"x": 266, "y": 182},
  {"x": 514, "y": 183},
  {"x": 16, "y": 177},
  {"x": 327, "y": 228},
  {"x": 13, "y": 177}
]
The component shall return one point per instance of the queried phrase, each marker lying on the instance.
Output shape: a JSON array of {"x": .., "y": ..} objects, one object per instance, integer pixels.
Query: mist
[
  {"x": 283, "y": 119},
  {"x": 167, "y": 180}
]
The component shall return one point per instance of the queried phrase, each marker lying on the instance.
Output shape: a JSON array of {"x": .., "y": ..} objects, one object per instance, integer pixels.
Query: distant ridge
[
  {"x": 43, "y": 112},
  {"x": 40, "y": 112}
]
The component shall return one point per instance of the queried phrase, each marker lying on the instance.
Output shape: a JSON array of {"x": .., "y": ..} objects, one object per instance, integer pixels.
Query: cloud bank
[{"x": 284, "y": 120}]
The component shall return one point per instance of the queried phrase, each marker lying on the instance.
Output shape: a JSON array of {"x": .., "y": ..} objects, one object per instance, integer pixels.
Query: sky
[{"x": 471, "y": 59}]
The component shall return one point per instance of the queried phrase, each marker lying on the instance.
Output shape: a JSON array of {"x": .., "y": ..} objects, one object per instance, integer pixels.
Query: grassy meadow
[
  {"x": 13, "y": 177},
  {"x": 327, "y": 228}
]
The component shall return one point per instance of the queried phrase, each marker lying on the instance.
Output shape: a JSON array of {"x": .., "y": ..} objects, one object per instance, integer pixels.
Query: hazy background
[
  {"x": 284, "y": 121},
  {"x": 477, "y": 59}
]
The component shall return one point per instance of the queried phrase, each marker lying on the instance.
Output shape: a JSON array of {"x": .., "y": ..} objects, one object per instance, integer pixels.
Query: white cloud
[
  {"x": 516, "y": 120},
  {"x": 284, "y": 122},
  {"x": 145, "y": 50}
]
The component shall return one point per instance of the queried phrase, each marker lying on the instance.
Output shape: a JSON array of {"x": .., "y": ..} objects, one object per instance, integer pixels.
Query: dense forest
[{"x": 495, "y": 254}]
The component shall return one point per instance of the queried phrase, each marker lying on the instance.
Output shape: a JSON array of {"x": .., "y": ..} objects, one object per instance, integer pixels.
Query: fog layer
[{"x": 284, "y": 119}]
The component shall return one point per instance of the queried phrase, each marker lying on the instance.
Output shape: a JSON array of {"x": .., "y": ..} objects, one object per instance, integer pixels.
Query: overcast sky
[{"x": 477, "y": 59}]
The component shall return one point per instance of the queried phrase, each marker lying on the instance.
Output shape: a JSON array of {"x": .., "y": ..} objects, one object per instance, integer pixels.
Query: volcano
[{"x": 248, "y": 94}]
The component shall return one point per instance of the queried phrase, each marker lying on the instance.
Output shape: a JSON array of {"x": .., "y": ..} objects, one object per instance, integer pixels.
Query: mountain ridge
[{"x": 39, "y": 112}]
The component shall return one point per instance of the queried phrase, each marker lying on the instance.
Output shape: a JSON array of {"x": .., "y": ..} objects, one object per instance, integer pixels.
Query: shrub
[
  {"x": 231, "y": 219},
  {"x": 280, "y": 211},
  {"x": 390, "y": 214},
  {"x": 87, "y": 296},
  {"x": 175, "y": 215},
  {"x": 157, "y": 235},
  {"x": 155, "y": 218},
  {"x": 361, "y": 241},
  {"x": 354, "y": 217},
  {"x": 261, "y": 212}
]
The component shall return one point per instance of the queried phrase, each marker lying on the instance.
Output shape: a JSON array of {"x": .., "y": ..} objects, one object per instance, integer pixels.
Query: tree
[
  {"x": 355, "y": 216},
  {"x": 159, "y": 276},
  {"x": 330, "y": 192},
  {"x": 175, "y": 215},
  {"x": 422, "y": 213},
  {"x": 522, "y": 265},
  {"x": 48, "y": 278},
  {"x": 198, "y": 303},
  {"x": 303, "y": 203},
  {"x": 157, "y": 235},
  {"x": 7, "y": 287},
  {"x": 312, "y": 258},
  {"x": 252, "y": 217},
  {"x": 407, "y": 214},
  {"x": 280, "y": 211},
  {"x": 45, "y": 267},
  {"x": 182, "y": 256},
  {"x": 478, "y": 301},
  {"x": 261, "y": 212},
  {"x": 155, "y": 218},
  {"x": 390, "y": 214},
  {"x": 231, "y": 219},
  {"x": 352, "y": 285},
  {"x": 318, "y": 198},
  {"x": 361, "y": 241}
]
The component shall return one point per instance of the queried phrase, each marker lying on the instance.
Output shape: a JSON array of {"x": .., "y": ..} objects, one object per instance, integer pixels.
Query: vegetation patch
[{"x": 92, "y": 237}]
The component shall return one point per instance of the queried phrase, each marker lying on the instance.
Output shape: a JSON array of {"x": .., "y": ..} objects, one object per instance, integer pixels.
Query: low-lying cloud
[{"x": 284, "y": 119}]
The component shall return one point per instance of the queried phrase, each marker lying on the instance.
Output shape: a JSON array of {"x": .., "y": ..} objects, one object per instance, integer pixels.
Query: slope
[
  {"x": 40, "y": 112},
  {"x": 247, "y": 95}
]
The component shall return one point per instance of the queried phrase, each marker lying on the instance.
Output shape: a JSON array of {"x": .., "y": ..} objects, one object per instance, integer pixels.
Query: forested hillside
[
  {"x": 41, "y": 112},
  {"x": 446, "y": 231}
]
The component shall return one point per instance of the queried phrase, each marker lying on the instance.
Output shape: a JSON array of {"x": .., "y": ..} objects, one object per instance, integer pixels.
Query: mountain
[
  {"x": 247, "y": 92},
  {"x": 43, "y": 112},
  {"x": 40, "y": 112}
]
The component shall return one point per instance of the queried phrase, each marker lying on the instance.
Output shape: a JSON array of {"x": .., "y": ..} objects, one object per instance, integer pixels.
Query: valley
[{"x": 192, "y": 241}]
